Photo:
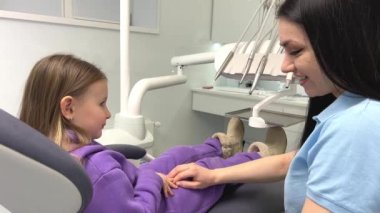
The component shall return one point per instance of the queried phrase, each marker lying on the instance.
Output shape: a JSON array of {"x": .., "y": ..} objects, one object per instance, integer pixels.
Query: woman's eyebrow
[{"x": 284, "y": 44}]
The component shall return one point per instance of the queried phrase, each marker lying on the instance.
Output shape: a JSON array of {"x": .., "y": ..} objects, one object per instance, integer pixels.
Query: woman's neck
[{"x": 337, "y": 92}]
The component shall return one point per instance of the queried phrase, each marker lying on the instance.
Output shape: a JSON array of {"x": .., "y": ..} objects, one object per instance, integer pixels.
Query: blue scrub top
[{"x": 338, "y": 167}]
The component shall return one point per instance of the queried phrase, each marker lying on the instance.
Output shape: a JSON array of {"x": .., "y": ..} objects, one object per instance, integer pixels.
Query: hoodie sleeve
[{"x": 114, "y": 192}]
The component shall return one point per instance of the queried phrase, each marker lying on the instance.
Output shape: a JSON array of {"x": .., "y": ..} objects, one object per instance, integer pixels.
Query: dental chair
[
  {"x": 251, "y": 197},
  {"x": 37, "y": 176}
]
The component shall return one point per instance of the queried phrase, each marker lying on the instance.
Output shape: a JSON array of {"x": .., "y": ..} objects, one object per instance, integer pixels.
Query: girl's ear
[{"x": 66, "y": 106}]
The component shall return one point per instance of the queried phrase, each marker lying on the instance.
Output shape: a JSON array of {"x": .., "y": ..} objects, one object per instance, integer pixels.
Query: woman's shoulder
[
  {"x": 361, "y": 114},
  {"x": 355, "y": 128}
]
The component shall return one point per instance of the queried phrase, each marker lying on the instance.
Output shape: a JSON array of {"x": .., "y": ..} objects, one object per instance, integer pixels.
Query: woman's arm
[
  {"x": 262, "y": 170},
  {"x": 311, "y": 207}
]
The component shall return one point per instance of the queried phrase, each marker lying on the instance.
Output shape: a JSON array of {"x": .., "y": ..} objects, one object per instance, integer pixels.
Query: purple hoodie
[{"x": 119, "y": 186}]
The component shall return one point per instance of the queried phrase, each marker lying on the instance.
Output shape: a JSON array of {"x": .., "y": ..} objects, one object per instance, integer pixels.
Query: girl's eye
[{"x": 103, "y": 103}]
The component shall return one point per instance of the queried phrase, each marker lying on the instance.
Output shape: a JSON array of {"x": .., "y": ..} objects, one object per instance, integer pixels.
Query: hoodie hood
[{"x": 90, "y": 149}]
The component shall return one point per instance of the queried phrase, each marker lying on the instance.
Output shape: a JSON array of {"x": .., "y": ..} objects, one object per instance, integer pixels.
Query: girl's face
[
  {"x": 300, "y": 59},
  {"x": 90, "y": 111}
]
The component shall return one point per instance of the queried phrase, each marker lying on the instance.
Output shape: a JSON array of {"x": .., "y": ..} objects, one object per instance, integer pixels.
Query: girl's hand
[{"x": 167, "y": 185}]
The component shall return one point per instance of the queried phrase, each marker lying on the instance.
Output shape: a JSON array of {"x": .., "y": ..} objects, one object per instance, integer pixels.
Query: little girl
[{"x": 65, "y": 99}]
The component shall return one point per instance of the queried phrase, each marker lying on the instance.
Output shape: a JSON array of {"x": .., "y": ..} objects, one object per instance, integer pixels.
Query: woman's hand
[
  {"x": 167, "y": 185},
  {"x": 192, "y": 176}
]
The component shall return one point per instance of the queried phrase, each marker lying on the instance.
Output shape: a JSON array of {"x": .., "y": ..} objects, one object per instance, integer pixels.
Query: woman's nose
[{"x": 287, "y": 65}]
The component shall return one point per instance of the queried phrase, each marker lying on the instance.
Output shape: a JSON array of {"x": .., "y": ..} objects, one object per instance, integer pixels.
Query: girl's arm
[{"x": 114, "y": 192}]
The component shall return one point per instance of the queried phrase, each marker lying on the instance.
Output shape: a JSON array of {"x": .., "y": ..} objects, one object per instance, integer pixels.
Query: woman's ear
[{"x": 66, "y": 106}]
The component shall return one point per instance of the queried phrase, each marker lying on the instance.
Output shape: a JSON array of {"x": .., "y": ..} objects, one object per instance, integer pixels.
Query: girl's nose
[{"x": 108, "y": 114}]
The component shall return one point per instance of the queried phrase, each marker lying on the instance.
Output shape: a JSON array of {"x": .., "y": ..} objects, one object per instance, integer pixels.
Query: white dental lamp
[{"x": 129, "y": 124}]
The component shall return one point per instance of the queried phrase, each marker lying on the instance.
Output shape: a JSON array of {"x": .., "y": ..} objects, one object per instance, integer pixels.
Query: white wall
[
  {"x": 233, "y": 15},
  {"x": 23, "y": 43},
  {"x": 184, "y": 29}
]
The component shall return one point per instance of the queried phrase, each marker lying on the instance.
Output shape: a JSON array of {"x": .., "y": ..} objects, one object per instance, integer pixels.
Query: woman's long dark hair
[
  {"x": 345, "y": 36},
  {"x": 316, "y": 106}
]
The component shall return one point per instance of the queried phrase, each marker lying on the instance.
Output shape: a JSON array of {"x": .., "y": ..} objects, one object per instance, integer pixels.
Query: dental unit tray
[
  {"x": 275, "y": 118},
  {"x": 235, "y": 67}
]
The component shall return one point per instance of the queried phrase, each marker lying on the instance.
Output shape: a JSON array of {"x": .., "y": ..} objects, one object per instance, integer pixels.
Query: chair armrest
[{"x": 129, "y": 151}]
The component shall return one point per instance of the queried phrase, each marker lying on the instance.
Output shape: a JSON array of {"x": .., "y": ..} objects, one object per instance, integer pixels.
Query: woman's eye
[{"x": 295, "y": 52}]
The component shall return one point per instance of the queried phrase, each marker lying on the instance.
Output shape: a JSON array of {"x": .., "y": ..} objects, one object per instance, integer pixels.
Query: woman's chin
[{"x": 313, "y": 93}]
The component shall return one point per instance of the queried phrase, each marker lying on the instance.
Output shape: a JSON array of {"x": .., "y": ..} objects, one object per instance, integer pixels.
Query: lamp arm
[{"x": 256, "y": 120}]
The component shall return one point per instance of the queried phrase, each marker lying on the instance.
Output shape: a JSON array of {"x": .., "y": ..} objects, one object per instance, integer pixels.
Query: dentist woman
[{"x": 331, "y": 46}]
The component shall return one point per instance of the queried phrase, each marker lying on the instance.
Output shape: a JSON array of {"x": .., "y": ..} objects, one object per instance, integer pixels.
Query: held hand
[
  {"x": 192, "y": 176},
  {"x": 167, "y": 185}
]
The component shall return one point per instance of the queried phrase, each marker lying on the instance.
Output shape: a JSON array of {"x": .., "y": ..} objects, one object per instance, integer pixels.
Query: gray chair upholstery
[
  {"x": 252, "y": 198},
  {"x": 36, "y": 175},
  {"x": 129, "y": 151}
]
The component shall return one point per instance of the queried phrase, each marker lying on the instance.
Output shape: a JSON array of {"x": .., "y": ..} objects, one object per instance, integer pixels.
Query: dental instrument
[
  {"x": 268, "y": 64},
  {"x": 256, "y": 44},
  {"x": 263, "y": 62},
  {"x": 232, "y": 52},
  {"x": 288, "y": 80}
]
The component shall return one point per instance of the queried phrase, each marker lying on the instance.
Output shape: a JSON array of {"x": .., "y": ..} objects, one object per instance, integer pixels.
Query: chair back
[{"x": 35, "y": 174}]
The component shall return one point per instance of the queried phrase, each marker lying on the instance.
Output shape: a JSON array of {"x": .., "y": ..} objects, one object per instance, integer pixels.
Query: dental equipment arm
[
  {"x": 124, "y": 54},
  {"x": 257, "y": 121},
  {"x": 200, "y": 58},
  {"x": 144, "y": 85},
  {"x": 129, "y": 125}
]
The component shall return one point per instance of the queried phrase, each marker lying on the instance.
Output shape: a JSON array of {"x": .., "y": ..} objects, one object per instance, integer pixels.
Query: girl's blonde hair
[{"x": 51, "y": 79}]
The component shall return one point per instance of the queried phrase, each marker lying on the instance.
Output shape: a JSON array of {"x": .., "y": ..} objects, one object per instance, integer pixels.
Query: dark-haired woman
[{"x": 332, "y": 47}]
